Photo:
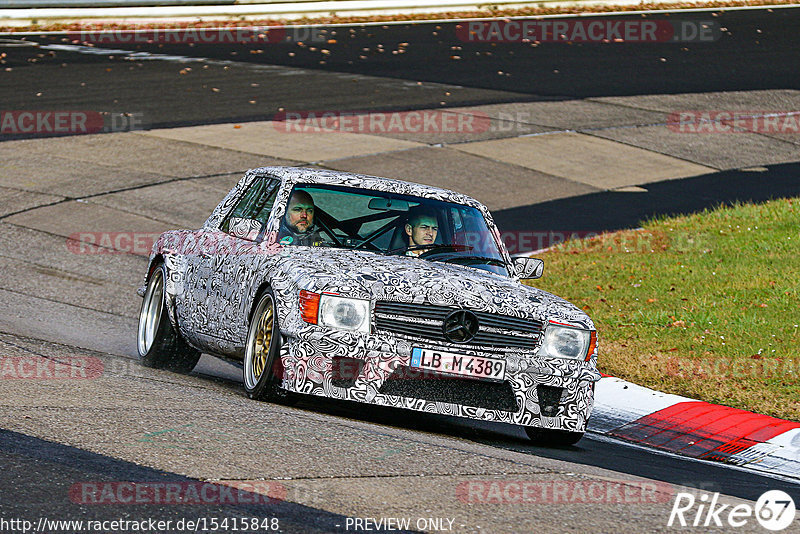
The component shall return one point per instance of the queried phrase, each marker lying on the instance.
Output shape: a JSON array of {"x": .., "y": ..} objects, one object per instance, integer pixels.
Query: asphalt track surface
[
  {"x": 757, "y": 52},
  {"x": 753, "y": 50}
]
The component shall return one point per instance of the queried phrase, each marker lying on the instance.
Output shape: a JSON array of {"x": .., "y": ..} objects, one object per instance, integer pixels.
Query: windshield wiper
[{"x": 472, "y": 259}]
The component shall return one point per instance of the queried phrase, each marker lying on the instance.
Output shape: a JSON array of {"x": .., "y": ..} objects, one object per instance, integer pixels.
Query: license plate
[{"x": 458, "y": 364}]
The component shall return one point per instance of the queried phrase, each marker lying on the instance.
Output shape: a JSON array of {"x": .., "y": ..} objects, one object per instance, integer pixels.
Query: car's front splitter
[{"x": 532, "y": 394}]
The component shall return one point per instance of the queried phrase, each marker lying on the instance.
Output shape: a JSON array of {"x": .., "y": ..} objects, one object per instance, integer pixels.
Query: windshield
[{"x": 387, "y": 223}]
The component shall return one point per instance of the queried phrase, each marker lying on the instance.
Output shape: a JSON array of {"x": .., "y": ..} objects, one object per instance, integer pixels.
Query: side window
[
  {"x": 263, "y": 207},
  {"x": 256, "y": 203}
]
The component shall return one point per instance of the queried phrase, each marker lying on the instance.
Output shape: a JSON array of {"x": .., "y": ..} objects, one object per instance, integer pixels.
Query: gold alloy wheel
[
  {"x": 263, "y": 341},
  {"x": 259, "y": 342}
]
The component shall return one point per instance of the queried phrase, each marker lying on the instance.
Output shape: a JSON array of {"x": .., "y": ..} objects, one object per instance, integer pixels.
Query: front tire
[
  {"x": 552, "y": 438},
  {"x": 159, "y": 345},
  {"x": 262, "y": 369}
]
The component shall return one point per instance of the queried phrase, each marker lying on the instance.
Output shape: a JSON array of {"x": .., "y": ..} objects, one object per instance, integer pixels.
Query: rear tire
[
  {"x": 262, "y": 371},
  {"x": 159, "y": 345},
  {"x": 552, "y": 438}
]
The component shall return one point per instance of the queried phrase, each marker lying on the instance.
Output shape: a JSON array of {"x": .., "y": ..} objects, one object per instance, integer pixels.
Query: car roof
[{"x": 294, "y": 175}]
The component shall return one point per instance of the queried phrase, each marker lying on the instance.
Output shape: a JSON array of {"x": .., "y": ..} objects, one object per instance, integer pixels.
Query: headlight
[
  {"x": 335, "y": 311},
  {"x": 344, "y": 313},
  {"x": 561, "y": 341}
]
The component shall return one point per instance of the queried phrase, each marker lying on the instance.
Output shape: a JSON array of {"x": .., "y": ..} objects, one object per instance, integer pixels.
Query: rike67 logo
[{"x": 774, "y": 510}]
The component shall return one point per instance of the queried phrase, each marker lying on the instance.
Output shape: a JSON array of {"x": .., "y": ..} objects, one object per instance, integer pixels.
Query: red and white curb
[{"x": 695, "y": 428}]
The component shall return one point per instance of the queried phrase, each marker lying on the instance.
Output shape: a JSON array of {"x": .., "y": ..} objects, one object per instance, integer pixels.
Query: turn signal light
[
  {"x": 309, "y": 306},
  {"x": 592, "y": 344}
]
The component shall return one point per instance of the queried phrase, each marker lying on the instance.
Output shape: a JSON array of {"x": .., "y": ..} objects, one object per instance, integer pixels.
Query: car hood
[{"x": 362, "y": 274}]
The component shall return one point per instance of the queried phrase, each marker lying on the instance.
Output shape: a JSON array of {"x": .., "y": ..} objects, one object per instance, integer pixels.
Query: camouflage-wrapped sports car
[{"x": 371, "y": 290}]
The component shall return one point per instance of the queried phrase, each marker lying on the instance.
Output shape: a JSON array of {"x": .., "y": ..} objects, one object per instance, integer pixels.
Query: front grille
[
  {"x": 408, "y": 382},
  {"x": 425, "y": 321}
]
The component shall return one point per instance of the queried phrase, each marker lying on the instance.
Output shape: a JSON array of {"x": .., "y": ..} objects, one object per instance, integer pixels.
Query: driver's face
[
  {"x": 423, "y": 232},
  {"x": 300, "y": 215}
]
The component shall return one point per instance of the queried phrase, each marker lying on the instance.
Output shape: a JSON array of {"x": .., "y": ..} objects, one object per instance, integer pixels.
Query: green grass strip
[{"x": 703, "y": 305}]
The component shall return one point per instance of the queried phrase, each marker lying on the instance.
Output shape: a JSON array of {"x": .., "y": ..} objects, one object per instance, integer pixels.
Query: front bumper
[{"x": 375, "y": 369}]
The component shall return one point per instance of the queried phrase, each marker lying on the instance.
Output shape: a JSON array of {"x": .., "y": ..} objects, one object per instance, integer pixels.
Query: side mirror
[
  {"x": 247, "y": 229},
  {"x": 528, "y": 268}
]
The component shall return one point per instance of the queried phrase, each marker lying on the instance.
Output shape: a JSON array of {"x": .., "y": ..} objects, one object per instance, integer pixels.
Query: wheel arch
[
  {"x": 155, "y": 260},
  {"x": 262, "y": 287},
  {"x": 172, "y": 313}
]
